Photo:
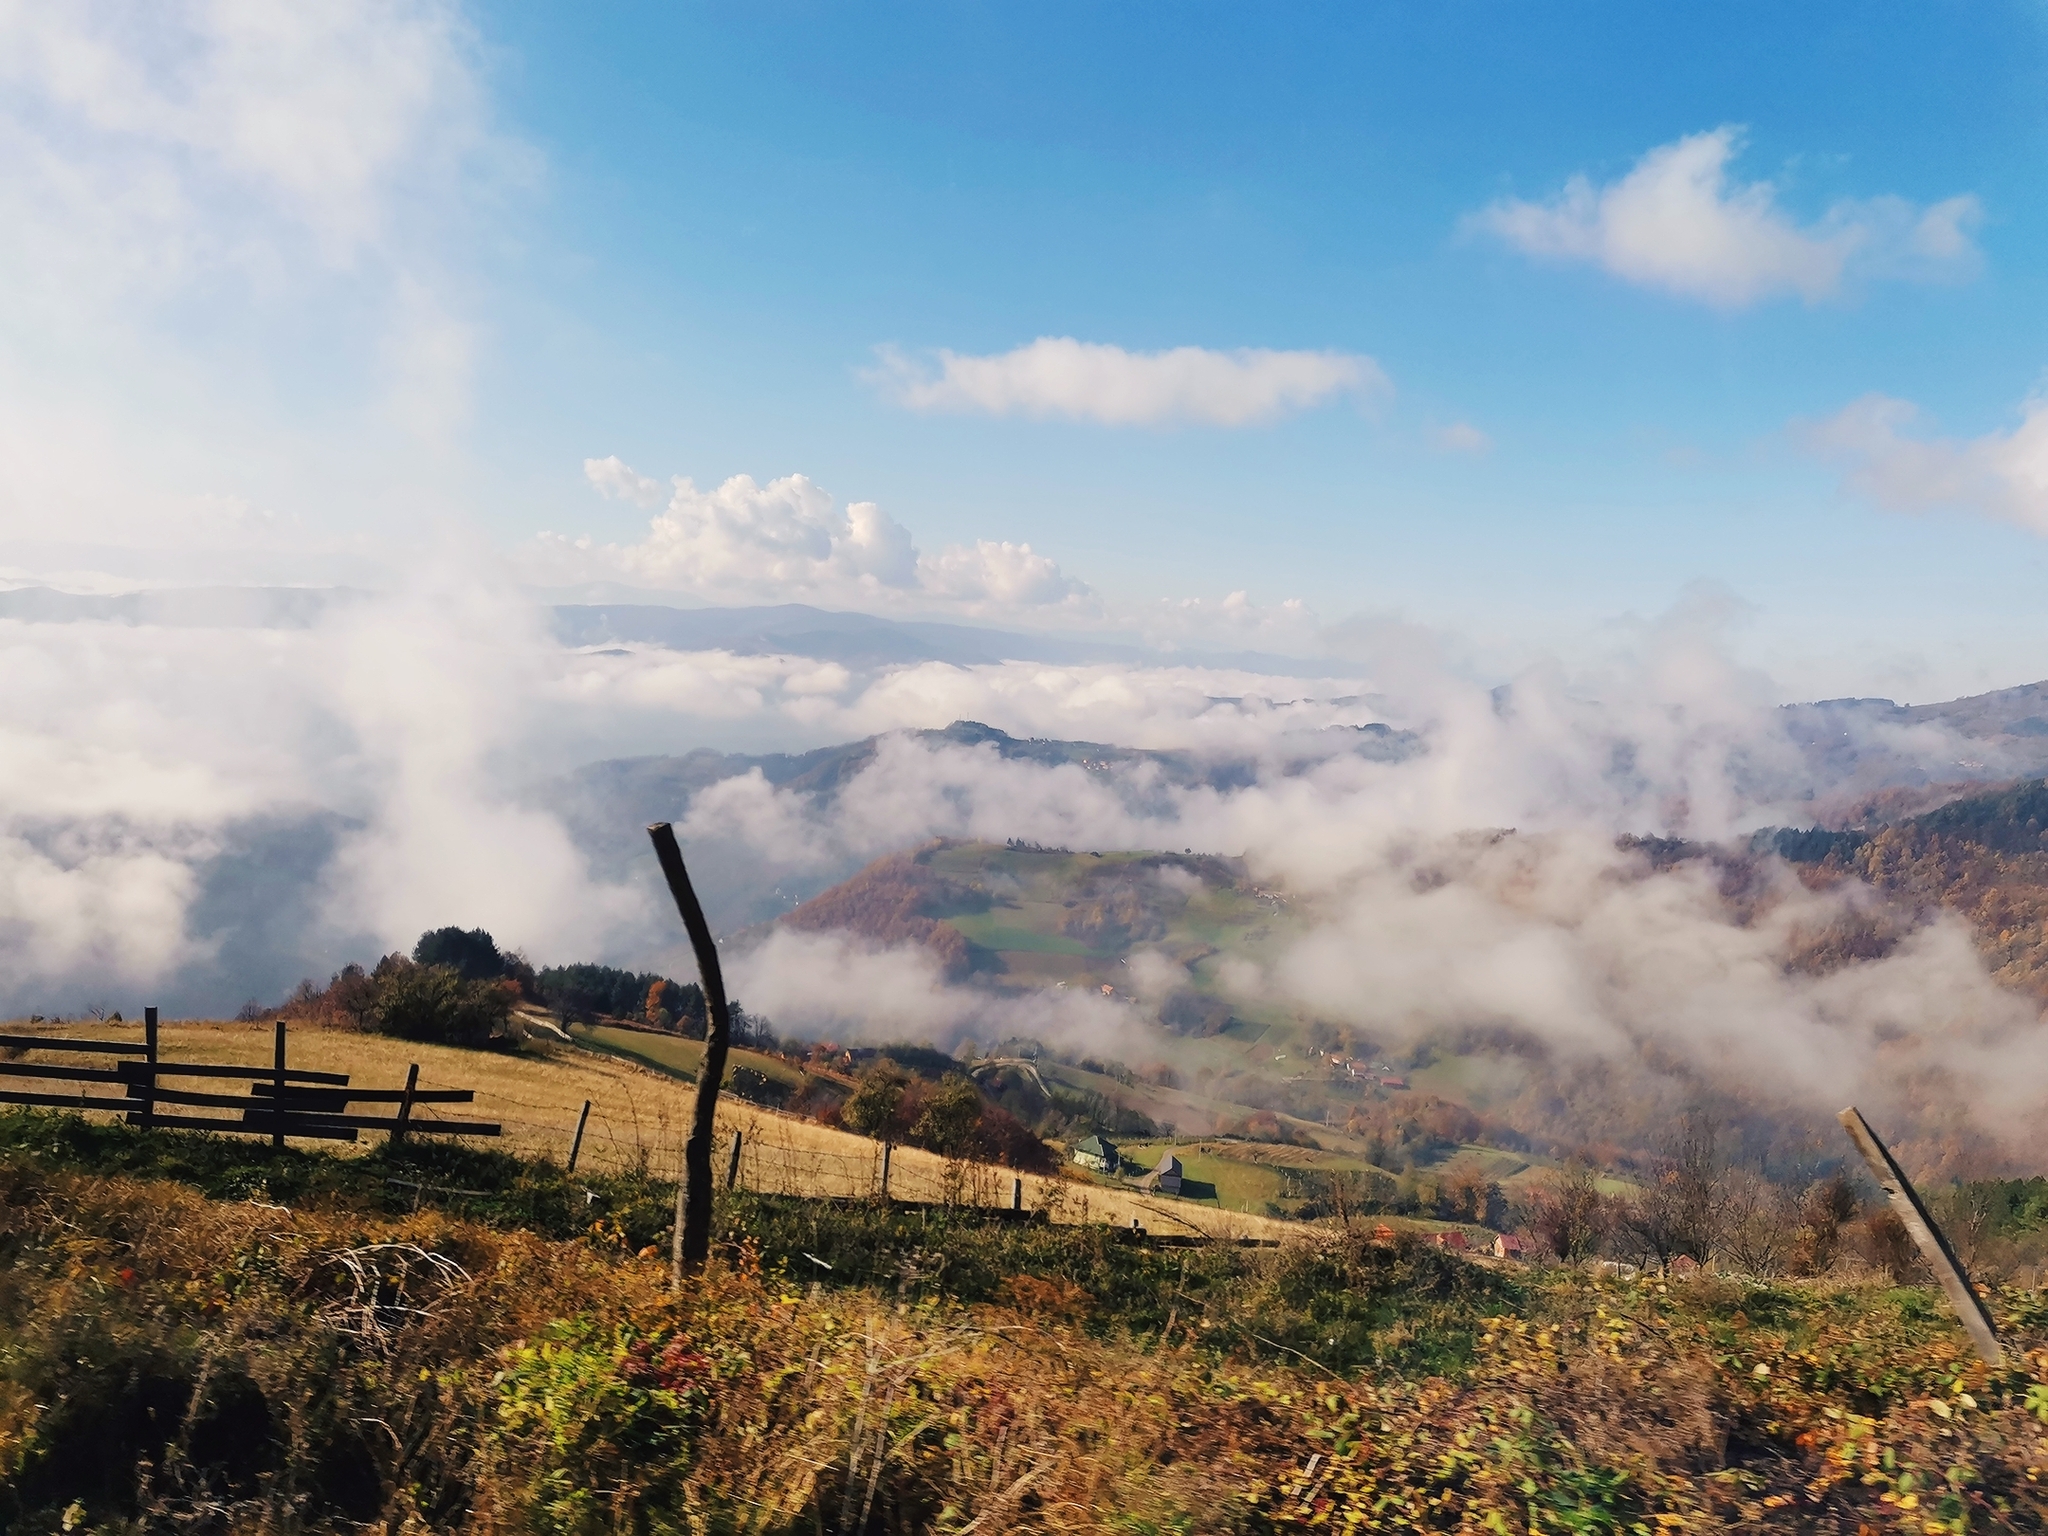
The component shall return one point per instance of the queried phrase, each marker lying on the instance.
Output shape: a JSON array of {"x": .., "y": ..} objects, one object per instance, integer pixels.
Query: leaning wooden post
[
  {"x": 693, "y": 1194},
  {"x": 277, "y": 1103},
  {"x": 1905, "y": 1202},
  {"x": 576, "y": 1145},
  {"x": 886, "y": 1150},
  {"x": 149, "y": 1062},
  {"x": 412, "y": 1083},
  {"x": 732, "y": 1168}
]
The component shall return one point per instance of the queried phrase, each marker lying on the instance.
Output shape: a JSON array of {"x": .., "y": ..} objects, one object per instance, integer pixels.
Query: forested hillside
[
  {"x": 1983, "y": 856},
  {"x": 1018, "y": 917}
]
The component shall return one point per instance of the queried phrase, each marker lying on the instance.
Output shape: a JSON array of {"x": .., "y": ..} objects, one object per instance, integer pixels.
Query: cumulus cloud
[
  {"x": 615, "y": 478},
  {"x": 1675, "y": 222},
  {"x": 2001, "y": 474},
  {"x": 1057, "y": 376},
  {"x": 790, "y": 541}
]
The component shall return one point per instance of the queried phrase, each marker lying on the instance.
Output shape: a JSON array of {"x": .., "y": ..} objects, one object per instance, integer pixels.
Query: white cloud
[
  {"x": 151, "y": 121},
  {"x": 2001, "y": 474},
  {"x": 1003, "y": 574},
  {"x": 1090, "y": 381},
  {"x": 825, "y": 986},
  {"x": 1234, "y": 620},
  {"x": 790, "y": 541},
  {"x": 133, "y": 761},
  {"x": 200, "y": 198},
  {"x": 786, "y": 537},
  {"x": 615, "y": 478},
  {"x": 1462, "y": 437},
  {"x": 1674, "y": 222}
]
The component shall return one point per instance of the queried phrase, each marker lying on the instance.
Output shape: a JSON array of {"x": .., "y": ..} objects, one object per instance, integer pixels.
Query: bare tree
[
  {"x": 1760, "y": 1223},
  {"x": 1679, "y": 1211},
  {"x": 1827, "y": 1206},
  {"x": 1568, "y": 1214}
]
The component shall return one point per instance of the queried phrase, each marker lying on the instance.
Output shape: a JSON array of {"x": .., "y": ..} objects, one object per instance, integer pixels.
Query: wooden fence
[{"x": 282, "y": 1100}]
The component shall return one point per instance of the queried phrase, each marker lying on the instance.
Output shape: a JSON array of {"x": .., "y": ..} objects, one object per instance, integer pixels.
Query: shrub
[
  {"x": 950, "y": 1118},
  {"x": 433, "y": 1003}
]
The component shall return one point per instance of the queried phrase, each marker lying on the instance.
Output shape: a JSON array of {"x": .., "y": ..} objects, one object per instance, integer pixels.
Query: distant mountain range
[
  {"x": 857, "y": 640},
  {"x": 605, "y": 805},
  {"x": 862, "y": 640},
  {"x": 1871, "y": 760}
]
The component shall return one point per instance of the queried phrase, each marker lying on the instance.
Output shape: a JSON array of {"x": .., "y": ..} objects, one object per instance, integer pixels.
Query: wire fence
[{"x": 638, "y": 1119}]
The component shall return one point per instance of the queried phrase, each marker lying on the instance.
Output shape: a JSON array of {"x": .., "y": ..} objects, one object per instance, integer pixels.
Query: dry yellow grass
[{"x": 638, "y": 1115}]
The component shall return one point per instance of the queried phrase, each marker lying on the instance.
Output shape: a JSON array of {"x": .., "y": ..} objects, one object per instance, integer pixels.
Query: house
[
  {"x": 1167, "y": 1174},
  {"x": 1453, "y": 1240},
  {"x": 1099, "y": 1153},
  {"x": 1393, "y": 1082},
  {"x": 1509, "y": 1246}
]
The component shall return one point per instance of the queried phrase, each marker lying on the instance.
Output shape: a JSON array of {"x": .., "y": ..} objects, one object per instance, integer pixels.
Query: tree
[
  {"x": 656, "y": 1009},
  {"x": 1760, "y": 1223},
  {"x": 470, "y": 951},
  {"x": 1678, "y": 1212},
  {"x": 1569, "y": 1216},
  {"x": 872, "y": 1109},
  {"x": 1826, "y": 1207},
  {"x": 950, "y": 1119}
]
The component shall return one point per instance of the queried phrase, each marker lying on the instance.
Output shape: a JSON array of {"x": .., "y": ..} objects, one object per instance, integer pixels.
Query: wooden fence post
[
  {"x": 1016, "y": 1194},
  {"x": 149, "y": 1061},
  {"x": 732, "y": 1169},
  {"x": 886, "y": 1150},
  {"x": 1905, "y": 1203},
  {"x": 693, "y": 1191},
  {"x": 576, "y": 1145},
  {"x": 277, "y": 1109},
  {"x": 412, "y": 1083}
]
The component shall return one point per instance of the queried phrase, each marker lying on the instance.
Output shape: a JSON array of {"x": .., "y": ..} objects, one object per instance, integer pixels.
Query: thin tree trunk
[{"x": 693, "y": 1218}]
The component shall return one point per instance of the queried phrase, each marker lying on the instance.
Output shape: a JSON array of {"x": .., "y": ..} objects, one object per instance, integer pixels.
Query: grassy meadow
[
  {"x": 202, "y": 1334},
  {"x": 640, "y": 1114}
]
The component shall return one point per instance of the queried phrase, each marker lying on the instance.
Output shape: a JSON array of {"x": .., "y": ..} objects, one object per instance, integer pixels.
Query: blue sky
[{"x": 678, "y": 235}]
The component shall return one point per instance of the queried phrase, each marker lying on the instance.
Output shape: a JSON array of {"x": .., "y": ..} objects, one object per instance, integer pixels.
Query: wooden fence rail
[{"x": 282, "y": 1101}]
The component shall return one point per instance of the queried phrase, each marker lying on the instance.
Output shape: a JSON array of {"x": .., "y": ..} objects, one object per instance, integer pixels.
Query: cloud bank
[
  {"x": 1057, "y": 376},
  {"x": 199, "y": 197},
  {"x": 1676, "y": 223},
  {"x": 192, "y": 814}
]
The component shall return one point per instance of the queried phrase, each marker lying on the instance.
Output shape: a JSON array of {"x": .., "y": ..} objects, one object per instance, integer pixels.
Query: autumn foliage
[
  {"x": 897, "y": 900},
  {"x": 175, "y": 1362}
]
